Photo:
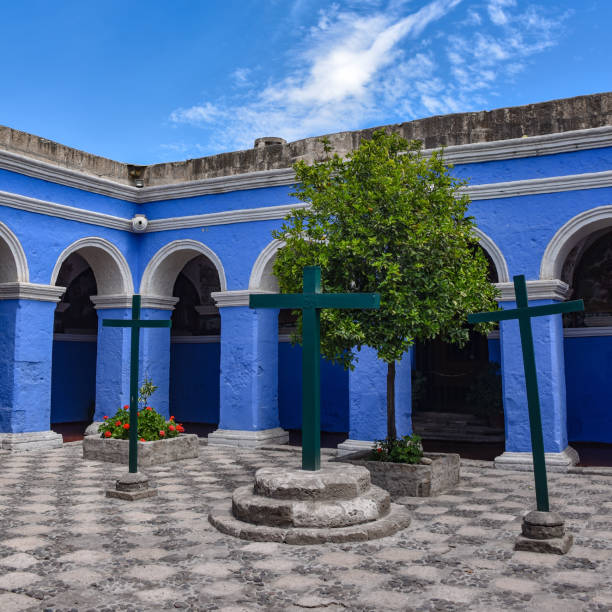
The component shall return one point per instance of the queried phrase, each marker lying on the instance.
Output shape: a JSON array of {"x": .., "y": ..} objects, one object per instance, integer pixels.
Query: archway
[
  {"x": 456, "y": 391},
  {"x": 190, "y": 271},
  {"x": 587, "y": 269},
  {"x": 89, "y": 268},
  {"x": 334, "y": 379}
]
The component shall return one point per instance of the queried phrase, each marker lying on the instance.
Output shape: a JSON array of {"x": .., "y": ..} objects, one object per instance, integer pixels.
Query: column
[
  {"x": 248, "y": 394},
  {"x": 368, "y": 401},
  {"x": 112, "y": 357},
  {"x": 548, "y": 343},
  {"x": 26, "y": 347}
]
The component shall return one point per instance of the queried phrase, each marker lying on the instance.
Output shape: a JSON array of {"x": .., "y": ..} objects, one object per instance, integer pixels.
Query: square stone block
[
  {"x": 185, "y": 446},
  {"x": 415, "y": 480}
]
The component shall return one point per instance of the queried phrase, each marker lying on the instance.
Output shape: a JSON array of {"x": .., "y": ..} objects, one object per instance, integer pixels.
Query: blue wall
[
  {"x": 334, "y": 391},
  {"x": 194, "y": 382},
  {"x": 73, "y": 381},
  {"x": 588, "y": 372}
]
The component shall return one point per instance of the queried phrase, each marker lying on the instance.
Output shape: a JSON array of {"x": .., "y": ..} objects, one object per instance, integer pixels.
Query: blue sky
[{"x": 152, "y": 81}]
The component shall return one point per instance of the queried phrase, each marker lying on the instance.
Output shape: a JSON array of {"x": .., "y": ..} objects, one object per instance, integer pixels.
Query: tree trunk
[{"x": 391, "y": 430}]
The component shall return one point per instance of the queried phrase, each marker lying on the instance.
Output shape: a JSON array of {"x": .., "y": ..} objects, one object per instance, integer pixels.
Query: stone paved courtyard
[{"x": 64, "y": 546}]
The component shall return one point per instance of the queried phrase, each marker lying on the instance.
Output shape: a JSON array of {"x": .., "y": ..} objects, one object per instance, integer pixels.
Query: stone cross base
[
  {"x": 544, "y": 532},
  {"x": 335, "y": 504},
  {"x": 555, "y": 462},
  {"x": 132, "y": 487},
  {"x": 246, "y": 438},
  {"x": 31, "y": 440}
]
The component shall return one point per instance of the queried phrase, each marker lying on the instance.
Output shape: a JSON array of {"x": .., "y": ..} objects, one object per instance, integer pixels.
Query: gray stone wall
[{"x": 551, "y": 117}]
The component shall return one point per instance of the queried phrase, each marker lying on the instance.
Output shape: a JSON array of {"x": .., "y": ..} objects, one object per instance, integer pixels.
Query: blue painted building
[{"x": 80, "y": 234}]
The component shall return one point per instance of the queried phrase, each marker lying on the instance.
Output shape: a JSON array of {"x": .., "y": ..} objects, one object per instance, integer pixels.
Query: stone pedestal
[
  {"x": 335, "y": 504},
  {"x": 132, "y": 487},
  {"x": 544, "y": 532}
]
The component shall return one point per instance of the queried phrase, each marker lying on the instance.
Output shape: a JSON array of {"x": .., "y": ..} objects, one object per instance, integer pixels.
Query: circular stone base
[
  {"x": 397, "y": 519},
  {"x": 335, "y": 504}
]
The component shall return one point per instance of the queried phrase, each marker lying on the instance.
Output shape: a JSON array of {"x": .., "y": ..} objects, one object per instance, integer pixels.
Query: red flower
[
  {"x": 107, "y": 434},
  {"x": 379, "y": 450},
  {"x": 142, "y": 440},
  {"x": 180, "y": 428},
  {"x": 126, "y": 426},
  {"x": 148, "y": 408},
  {"x": 117, "y": 423},
  {"x": 162, "y": 433},
  {"x": 126, "y": 407},
  {"x": 139, "y": 414},
  {"x": 105, "y": 418},
  {"x": 172, "y": 418},
  {"x": 172, "y": 428}
]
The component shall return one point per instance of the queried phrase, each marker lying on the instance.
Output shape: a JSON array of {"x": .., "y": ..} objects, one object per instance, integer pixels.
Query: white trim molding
[
  {"x": 234, "y": 298},
  {"x": 195, "y": 339},
  {"x": 107, "y": 302},
  {"x": 536, "y": 290},
  {"x": 164, "y": 267},
  {"x": 569, "y": 235},
  {"x": 243, "y": 215},
  {"x": 53, "y": 209},
  {"x": 587, "y": 332},
  {"x": 551, "y": 184},
  {"x": 18, "y": 259},
  {"x": 523, "y": 461},
  {"x": 530, "y": 146},
  {"x": 75, "y": 337},
  {"x": 31, "y": 291},
  {"x": 262, "y": 277},
  {"x": 495, "y": 254}
]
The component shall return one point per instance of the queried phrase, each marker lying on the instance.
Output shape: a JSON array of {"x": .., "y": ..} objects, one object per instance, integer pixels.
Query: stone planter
[
  {"x": 405, "y": 479},
  {"x": 185, "y": 446}
]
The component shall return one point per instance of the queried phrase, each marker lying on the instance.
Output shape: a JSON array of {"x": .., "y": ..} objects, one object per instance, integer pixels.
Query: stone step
[{"x": 256, "y": 509}]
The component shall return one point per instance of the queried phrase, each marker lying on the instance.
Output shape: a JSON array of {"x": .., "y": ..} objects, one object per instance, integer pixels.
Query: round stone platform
[{"x": 335, "y": 504}]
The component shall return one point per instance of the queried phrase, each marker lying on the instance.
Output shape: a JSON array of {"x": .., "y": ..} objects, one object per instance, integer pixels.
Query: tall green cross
[
  {"x": 310, "y": 302},
  {"x": 524, "y": 314},
  {"x": 135, "y": 324}
]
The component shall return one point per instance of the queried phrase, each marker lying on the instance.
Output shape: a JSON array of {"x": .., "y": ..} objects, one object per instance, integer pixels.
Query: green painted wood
[
  {"x": 135, "y": 324},
  {"x": 524, "y": 314},
  {"x": 310, "y": 302}
]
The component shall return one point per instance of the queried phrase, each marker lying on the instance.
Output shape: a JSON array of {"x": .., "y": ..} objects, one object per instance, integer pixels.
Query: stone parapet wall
[{"x": 551, "y": 117}]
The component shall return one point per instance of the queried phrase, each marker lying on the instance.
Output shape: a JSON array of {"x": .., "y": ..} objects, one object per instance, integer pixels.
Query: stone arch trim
[
  {"x": 495, "y": 254},
  {"x": 568, "y": 235},
  {"x": 112, "y": 272},
  {"x": 163, "y": 268},
  {"x": 13, "y": 268},
  {"x": 262, "y": 278}
]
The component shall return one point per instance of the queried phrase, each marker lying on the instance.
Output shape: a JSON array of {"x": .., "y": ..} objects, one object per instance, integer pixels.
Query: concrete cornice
[
  {"x": 531, "y": 146},
  {"x": 553, "y": 184},
  {"x": 72, "y": 213},
  {"x": 31, "y": 291},
  {"x": 536, "y": 290},
  {"x": 243, "y": 215},
  {"x": 233, "y": 298},
  {"x": 158, "y": 302}
]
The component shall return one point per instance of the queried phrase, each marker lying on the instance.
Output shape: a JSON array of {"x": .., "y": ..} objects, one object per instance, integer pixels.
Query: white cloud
[{"x": 356, "y": 65}]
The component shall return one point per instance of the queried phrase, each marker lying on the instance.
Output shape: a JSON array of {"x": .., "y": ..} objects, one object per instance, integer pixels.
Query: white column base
[
  {"x": 252, "y": 439},
  {"x": 31, "y": 440},
  {"x": 352, "y": 446},
  {"x": 555, "y": 462}
]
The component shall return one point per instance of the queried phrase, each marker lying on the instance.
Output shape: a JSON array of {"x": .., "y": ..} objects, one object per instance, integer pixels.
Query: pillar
[
  {"x": 26, "y": 348},
  {"x": 368, "y": 401},
  {"x": 548, "y": 344},
  {"x": 248, "y": 390}
]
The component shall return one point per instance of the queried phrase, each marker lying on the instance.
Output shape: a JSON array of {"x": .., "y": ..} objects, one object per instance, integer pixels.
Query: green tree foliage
[{"x": 391, "y": 220}]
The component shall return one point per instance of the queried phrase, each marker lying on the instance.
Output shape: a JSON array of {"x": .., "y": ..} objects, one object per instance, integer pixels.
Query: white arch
[
  {"x": 13, "y": 262},
  {"x": 160, "y": 274},
  {"x": 111, "y": 270},
  {"x": 569, "y": 235},
  {"x": 495, "y": 254},
  {"x": 262, "y": 278}
]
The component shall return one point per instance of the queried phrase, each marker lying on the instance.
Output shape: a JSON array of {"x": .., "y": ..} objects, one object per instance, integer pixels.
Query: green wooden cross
[
  {"x": 135, "y": 323},
  {"x": 310, "y": 302},
  {"x": 524, "y": 313}
]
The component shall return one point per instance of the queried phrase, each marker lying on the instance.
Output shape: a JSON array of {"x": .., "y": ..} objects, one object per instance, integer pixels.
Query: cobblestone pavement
[{"x": 64, "y": 546}]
